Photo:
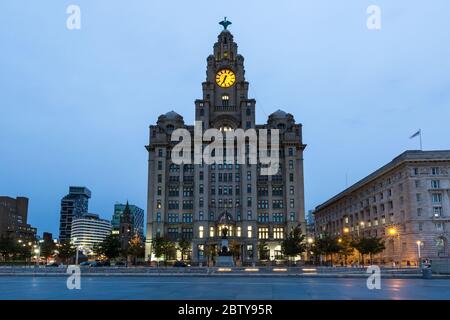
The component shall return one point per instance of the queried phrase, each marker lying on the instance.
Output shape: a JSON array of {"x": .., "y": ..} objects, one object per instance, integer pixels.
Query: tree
[
  {"x": 66, "y": 250},
  {"x": 346, "y": 247},
  {"x": 109, "y": 247},
  {"x": 262, "y": 250},
  {"x": 184, "y": 246},
  {"x": 327, "y": 245},
  {"x": 294, "y": 244},
  {"x": 163, "y": 247},
  {"x": 7, "y": 247},
  {"x": 370, "y": 246},
  {"x": 136, "y": 249},
  {"x": 211, "y": 252},
  {"x": 47, "y": 249},
  {"x": 235, "y": 250}
]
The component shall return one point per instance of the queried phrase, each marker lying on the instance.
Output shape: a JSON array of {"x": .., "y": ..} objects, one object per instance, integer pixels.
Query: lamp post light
[
  {"x": 37, "y": 251},
  {"x": 419, "y": 244},
  {"x": 309, "y": 241},
  {"x": 76, "y": 252}
]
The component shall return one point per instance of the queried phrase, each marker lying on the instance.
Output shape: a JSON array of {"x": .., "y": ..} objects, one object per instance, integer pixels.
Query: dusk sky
[{"x": 75, "y": 105}]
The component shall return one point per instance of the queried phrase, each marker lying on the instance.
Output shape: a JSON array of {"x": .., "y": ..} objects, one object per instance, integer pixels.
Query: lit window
[
  {"x": 249, "y": 232},
  {"x": 211, "y": 232},
  {"x": 238, "y": 232},
  {"x": 263, "y": 233},
  {"x": 200, "y": 232},
  {"x": 278, "y": 233}
]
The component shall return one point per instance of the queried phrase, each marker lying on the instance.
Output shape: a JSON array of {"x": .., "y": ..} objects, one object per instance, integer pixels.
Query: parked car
[
  {"x": 120, "y": 263},
  {"x": 87, "y": 263},
  {"x": 180, "y": 264},
  {"x": 53, "y": 265}
]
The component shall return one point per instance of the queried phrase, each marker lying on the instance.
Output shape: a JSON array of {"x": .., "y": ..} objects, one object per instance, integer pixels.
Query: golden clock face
[{"x": 225, "y": 78}]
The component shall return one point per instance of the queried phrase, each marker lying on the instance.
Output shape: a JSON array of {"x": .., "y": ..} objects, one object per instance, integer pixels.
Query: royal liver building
[{"x": 197, "y": 202}]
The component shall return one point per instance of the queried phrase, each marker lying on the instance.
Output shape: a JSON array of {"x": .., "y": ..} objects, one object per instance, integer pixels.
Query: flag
[{"x": 415, "y": 134}]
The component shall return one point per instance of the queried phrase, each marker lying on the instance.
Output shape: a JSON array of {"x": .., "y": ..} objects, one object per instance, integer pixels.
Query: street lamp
[
  {"x": 310, "y": 240},
  {"x": 346, "y": 230},
  {"x": 419, "y": 244},
  {"x": 392, "y": 231},
  {"x": 76, "y": 248},
  {"x": 38, "y": 256}
]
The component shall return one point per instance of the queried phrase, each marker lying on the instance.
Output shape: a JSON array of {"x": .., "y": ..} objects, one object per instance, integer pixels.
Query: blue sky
[{"x": 75, "y": 106}]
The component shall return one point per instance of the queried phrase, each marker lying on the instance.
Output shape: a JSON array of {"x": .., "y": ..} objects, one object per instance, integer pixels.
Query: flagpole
[{"x": 421, "y": 140}]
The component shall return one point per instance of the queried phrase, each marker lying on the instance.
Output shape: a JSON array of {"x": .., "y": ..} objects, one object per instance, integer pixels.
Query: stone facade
[
  {"x": 406, "y": 202},
  {"x": 196, "y": 201}
]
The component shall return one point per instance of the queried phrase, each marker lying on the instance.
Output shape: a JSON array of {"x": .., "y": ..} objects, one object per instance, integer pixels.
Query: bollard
[{"x": 427, "y": 273}]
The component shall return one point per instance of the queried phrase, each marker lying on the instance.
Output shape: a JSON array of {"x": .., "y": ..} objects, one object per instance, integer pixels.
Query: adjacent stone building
[
  {"x": 13, "y": 219},
  {"x": 406, "y": 202},
  {"x": 196, "y": 201}
]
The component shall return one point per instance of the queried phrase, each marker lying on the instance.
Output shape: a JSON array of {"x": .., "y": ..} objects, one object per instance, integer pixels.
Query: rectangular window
[
  {"x": 187, "y": 233},
  {"x": 211, "y": 232},
  {"x": 435, "y": 184},
  {"x": 434, "y": 171},
  {"x": 277, "y": 204},
  {"x": 436, "y": 197},
  {"x": 249, "y": 232},
  {"x": 173, "y": 217},
  {"x": 263, "y": 217},
  {"x": 200, "y": 232},
  {"x": 437, "y": 212},
  {"x": 277, "y": 217},
  {"x": 291, "y": 152},
  {"x": 263, "y": 233},
  {"x": 238, "y": 232},
  {"x": 278, "y": 233},
  {"x": 187, "y": 218}
]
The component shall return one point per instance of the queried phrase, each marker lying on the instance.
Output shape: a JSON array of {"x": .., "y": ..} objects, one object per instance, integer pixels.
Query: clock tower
[{"x": 225, "y": 102}]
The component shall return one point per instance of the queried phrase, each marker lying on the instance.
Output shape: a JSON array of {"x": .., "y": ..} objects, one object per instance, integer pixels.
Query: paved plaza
[{"x": 228, "y": 288}]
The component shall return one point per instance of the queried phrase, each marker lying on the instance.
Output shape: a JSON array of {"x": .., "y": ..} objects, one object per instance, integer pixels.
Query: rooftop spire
[{"x": 225, "y": 23}]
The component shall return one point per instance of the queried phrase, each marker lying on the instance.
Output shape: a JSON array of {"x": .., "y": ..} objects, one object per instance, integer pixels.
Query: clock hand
[{"x": 224, "y": 79}]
